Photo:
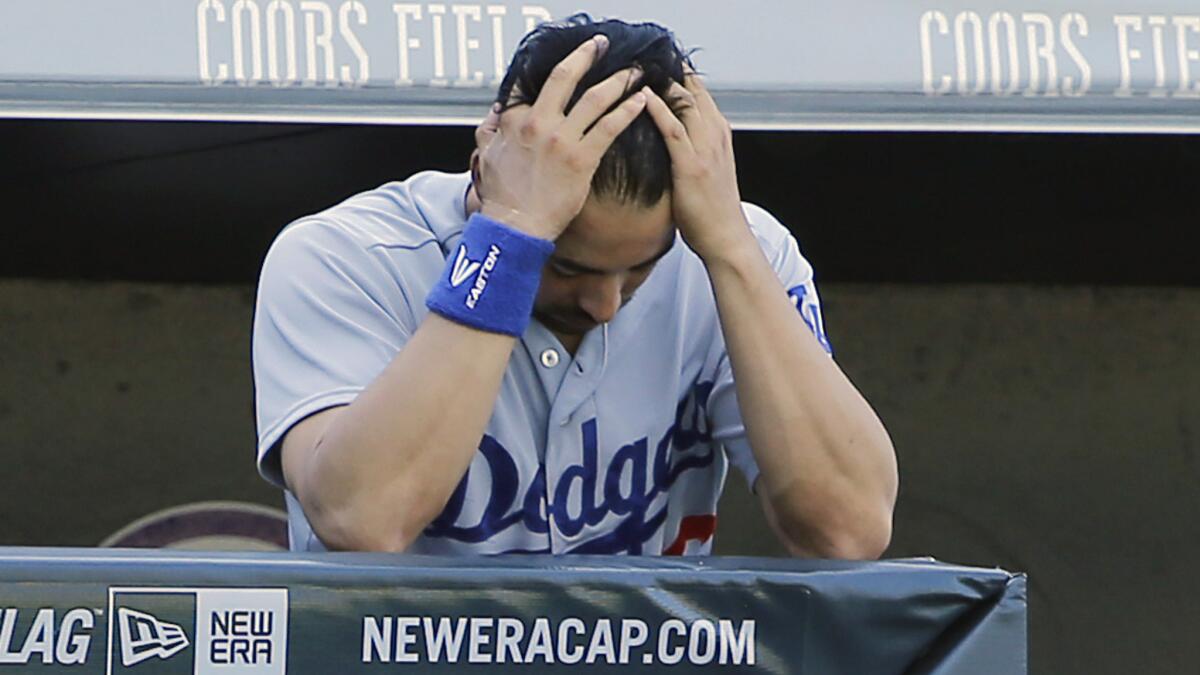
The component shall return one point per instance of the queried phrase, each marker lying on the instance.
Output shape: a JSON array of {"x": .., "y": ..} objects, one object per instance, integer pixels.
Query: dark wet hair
[{"x": 637, "y": 167}]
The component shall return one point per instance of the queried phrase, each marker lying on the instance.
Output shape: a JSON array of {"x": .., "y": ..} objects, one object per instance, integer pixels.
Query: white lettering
[
  {"x": 535, "y": 14},
  {"x": 1042, "y": 52},
  {"x": 1124, "y": 23},
  {"x": 274, "y": 9},
  {"x": 666, "y": 652},
  {"x": 539, "y": 642},
  {"x": 406, "y": 43},
  {"x": 72, "y": 648},
  {"x": 40, "y": 638},
  {"x": 567, "y": 654},
  {"x": 436, "y": 13},
  {"x": 8, "y": 621},
  {"x": 703, "y": 633},
  {"x": 202, "y": 11},
  {"x": 509, "y": 632},
  {"x": 481, "y": 280},
  {"x": 1014, "y": 58},
  {"x": 1156, "y": 24},
  {"x": 1085, "y": 70},
  {"x": 943, "y": 28},
  {"x": 377, "y": 639},
  {"x": 389, "y": 639},
  {"x": 405, "y": 639},
  {"x": 1187, "y": 88},
  {"x": 960, "y": 50},
  {"x": 315, "y": 39},
  {"x": 633, "y": 634},
  {"x": 602, "y": 643},
  {"x": 479, "y": 640},
  {"x": 739, "y": 648},
  {"x": 467, "y": 44},
  {"x": 442, "y": 640},
  {"x": 497, "y": 13},
  {"x": 360, "y": 12},
  {"x": 250, "y": 8}
]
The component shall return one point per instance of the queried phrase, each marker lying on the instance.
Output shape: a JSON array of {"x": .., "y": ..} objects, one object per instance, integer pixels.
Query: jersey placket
[
  {"x": 570, "y": 392},
  {"x": 558, "y": 374}
]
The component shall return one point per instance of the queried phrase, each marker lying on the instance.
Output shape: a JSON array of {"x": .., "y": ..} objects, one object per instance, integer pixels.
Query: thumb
[{"x": 488, "y": 127}]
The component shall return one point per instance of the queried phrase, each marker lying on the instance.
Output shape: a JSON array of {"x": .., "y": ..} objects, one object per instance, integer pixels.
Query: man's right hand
[{"x": 536, "y": 172}]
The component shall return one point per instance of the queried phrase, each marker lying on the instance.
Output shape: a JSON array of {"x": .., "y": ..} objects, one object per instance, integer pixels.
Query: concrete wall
[
  {"x": 120, "y": 399},
  {"x": 1046, "y": 430}
]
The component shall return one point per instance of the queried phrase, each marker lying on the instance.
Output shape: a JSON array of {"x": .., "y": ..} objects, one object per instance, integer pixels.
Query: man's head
[
  {"x": 637, "y": 167},
  {"x": 625, "y": 226}
]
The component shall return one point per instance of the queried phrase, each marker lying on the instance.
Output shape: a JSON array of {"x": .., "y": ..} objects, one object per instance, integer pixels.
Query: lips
[{"x": 572, "y": 324}]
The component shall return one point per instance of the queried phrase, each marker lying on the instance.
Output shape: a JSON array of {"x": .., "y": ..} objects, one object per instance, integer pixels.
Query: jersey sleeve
[
  {"x": 796, "y": 274},
  {"x": 328, "y": 318}
]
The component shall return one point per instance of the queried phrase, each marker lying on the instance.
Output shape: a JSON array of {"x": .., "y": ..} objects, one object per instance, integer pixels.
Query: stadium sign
[
  {"x": 50, "y": 638},
  {"x": 129, "y": 611},
  {"x": 198, "y": 630},
  {"x": 1108, "y": 65}
]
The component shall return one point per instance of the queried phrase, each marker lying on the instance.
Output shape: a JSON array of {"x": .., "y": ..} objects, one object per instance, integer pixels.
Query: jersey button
[{"x": 549, "y": 358}]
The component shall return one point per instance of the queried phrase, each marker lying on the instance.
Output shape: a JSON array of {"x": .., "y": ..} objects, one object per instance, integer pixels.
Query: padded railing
[{"x": 147, "y": 611}]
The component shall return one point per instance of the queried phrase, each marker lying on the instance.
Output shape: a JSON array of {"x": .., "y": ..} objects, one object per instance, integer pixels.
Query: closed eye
[
  {"x": 563, "y": 270},
  {"x": 567, "y": 268}
]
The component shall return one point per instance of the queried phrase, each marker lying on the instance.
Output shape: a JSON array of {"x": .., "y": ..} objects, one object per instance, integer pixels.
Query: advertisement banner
[
  {"x": 125, "y": 611},
  {"x": 940, "y": 64}
]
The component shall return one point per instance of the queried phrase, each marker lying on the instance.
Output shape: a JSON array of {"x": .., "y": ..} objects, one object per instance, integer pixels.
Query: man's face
[{"x": 604, "y": 255}]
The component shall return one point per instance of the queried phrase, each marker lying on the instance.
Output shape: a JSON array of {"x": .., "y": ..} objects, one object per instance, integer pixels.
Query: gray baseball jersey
[{"x": 623, "y": 448}]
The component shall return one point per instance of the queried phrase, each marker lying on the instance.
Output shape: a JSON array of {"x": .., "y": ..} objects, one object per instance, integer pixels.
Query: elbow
[
  {"x": 855, "y": 535},
  {"x": 352, "y": 509},
  {"x": 865, "y": 544},
  {"x": 364, "y": 525},
  {"x": 364, "y": 539},
  {"x": 345, "y": 532},
  {"x": 868, "y": 541}
]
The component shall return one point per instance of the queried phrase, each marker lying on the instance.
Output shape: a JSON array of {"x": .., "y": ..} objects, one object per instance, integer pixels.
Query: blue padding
[{"x": 492, "y": 278}]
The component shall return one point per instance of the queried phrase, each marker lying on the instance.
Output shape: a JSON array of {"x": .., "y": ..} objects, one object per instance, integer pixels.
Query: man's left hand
[{"x": 707, "y": 206}]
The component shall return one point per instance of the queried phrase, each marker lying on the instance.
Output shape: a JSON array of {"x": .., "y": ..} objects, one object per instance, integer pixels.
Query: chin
[{"x": 565, "y": 326}]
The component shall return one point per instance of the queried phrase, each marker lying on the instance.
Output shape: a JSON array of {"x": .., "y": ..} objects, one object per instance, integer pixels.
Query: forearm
[
  {"x": 828, "y": 467},
  {"x": 386, "y": 464}
]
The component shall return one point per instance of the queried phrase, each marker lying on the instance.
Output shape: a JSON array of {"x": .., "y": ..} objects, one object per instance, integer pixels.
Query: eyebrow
[{"x": 584, "y": 269}]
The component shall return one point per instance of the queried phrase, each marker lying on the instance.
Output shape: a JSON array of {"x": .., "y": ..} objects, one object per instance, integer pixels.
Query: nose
[{"x": 601, "y": 297}]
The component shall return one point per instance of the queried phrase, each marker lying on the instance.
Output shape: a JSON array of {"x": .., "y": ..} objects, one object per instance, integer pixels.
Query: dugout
[{"x": 997, "y": 200}]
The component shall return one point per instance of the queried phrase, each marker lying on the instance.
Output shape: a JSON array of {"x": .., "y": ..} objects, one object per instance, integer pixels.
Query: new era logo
[
  {"x": 144, "y": 637},
  {"x": 464, "y": 268},
  {"x": 198, "y": 631}
]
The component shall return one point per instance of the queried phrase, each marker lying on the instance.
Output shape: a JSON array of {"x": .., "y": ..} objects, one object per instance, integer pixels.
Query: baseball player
[{"x": 564, "y": 349}]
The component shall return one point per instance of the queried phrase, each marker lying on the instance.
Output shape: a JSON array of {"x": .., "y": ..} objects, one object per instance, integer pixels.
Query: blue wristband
[{"x": 491, "y": 280}]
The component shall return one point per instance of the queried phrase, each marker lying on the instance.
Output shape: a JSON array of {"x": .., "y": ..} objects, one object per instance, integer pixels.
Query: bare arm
[
  {"x": 373, "y": 474},
  {"x": 829, "y": 479}
]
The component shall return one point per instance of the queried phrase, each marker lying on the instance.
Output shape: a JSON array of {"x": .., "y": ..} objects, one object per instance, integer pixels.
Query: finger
[
  {"x": 705, "y": 124},
  {"x": 685, "y": 105},
  {"x": 598, "y": 99},
  {"x": 704, "y": 100},
  {"x": 606, "y": 130},
  {"x": 679, "y": 143},
  {"x": 566, "y": 75},
  {"x": 488, "y": 127}
]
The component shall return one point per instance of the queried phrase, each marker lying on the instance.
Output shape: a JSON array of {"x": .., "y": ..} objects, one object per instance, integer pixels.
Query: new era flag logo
[
  {"x": 464, "y": 268},
  {"x": 144, "y": 637},
  {"x": 197, "y": 631}
]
